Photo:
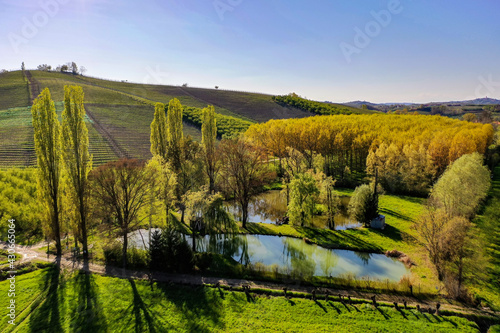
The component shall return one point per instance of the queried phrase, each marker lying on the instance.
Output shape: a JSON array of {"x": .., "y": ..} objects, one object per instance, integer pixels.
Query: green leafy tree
[
  {"x": 175, "y": 136},
  {"x": 363, "y": 205},
  {"x": 190, "y": 173},
  {"x": 163, "y": 185},
  {"x": 462, "y": 186},
  {"x": 47, "y": 135},
  {"x": 77, "y": 160},
  {"x": 470, "y": 117},
  {"x": 330, "y": 199},
  {"x": 18, "y": 200},
  {"x": 208, "y": 141},
  {"x": 74, "y": 68},
  {"x": 159, "y": 138},
  {"x": 304, "y": 193}
]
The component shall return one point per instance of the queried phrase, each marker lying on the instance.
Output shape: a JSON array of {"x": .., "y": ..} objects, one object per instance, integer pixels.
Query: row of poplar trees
[
  {"x": 63, "y": 161},
  {"x": 168, "y": 147}
]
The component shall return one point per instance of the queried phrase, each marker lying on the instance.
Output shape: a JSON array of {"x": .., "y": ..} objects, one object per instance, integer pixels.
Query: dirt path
[
  {"x": 34, "y": 86},
  {"x": 69, "y": 263},
  {"x": 119, "y": 151}
]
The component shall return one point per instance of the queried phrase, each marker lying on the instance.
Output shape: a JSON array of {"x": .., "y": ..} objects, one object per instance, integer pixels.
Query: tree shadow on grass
[
  {"x": 258, "y": 228},
  {"x": 141, "y": 310},
  {"x": 321, "y": 306},
  {"x": 449, "y": 321},
  {"x": 45, "y": 311},
  {"x": 201, "y": 307},
  {"x": 347, "y": 308},
  {"x": 250, "y": 298},
  {"x": 425, "y": 316},
  {"x": 402, "y": 313},
  {"x": 221, "y": 293},
  {"x": 88, "y": 314},
  {"x": 333, "y": 306},
  {"x": 391, "y": 232},
  {"x": 386, "y": 316},
  {"x": 391, "y": 212},
  {"x": 338, "y": 239},
  {"x": 412, "y": 199}
]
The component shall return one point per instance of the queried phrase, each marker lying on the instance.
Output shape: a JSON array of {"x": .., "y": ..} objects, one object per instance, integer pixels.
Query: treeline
[
  {"x": 296, "y": 101},
  {"x": 409, "y": 152},
  {"x": 18, "y": 201},
  {"x": 183, "y": 176},
  {"x": 226, "y": 125},
  {"x": 452, "y": 241}
]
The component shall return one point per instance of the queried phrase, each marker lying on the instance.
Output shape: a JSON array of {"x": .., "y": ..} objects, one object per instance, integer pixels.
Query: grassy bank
[
  {"x": 52, "y": 301},
  {"x": 488, "y": 288},
  {"x": 401, "y": 213}
]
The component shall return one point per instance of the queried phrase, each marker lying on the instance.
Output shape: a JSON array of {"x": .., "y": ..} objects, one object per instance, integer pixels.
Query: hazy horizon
[{"x": 381, "y": 52}]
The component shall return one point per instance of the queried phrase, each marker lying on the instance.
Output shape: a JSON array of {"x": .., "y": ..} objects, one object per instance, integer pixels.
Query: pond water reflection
[
  {"x": 295, "y": 257},
  {"x": 269, "y": 206}
]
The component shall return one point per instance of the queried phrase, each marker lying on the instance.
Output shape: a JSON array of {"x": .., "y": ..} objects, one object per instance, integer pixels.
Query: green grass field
[
  {"x": 14, "y": 90},
  {"x": 488, "y": 222},
  {"x": 49, "y": 300}
]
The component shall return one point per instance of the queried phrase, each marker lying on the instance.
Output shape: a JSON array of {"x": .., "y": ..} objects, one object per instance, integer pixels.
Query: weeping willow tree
[
  {"x": 208, "y": 140},
  {"x": 47, "y": 137},
  {"x": 77, "y": 160},
  {"x": 207, "y": 215},
  {"x": 159, "y": 144},
  {"x": 303, "y": 196}
]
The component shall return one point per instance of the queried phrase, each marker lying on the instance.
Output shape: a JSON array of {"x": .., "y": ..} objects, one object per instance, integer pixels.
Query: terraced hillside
[
  {"x": 16, "y": 135},
  {"x": 247, "y": 106},
  {"x": 257, "y": 107},
  {"x": 120, "y": 113},
  {"x": 14, "y": 90}
]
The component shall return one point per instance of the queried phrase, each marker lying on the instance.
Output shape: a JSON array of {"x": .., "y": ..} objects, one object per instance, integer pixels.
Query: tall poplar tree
[
  {"x": 208, "y": 140},
  {"x": 47, "y": 136},
  {"x": 174, "y": 132},
  {"x": 77, "y": 160},
  {"x": 159, "y": 143}
]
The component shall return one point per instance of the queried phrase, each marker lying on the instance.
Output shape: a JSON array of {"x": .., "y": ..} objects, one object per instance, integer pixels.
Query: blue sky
[{"x": 418, "y": 51}]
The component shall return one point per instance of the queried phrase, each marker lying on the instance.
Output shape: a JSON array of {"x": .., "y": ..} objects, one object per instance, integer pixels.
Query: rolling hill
[{"x": 120, "y": 113}]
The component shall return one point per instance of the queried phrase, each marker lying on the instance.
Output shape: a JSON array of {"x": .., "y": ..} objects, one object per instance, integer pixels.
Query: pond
[
  {"x": 269, "y": 206},
  {"x": 295, "y": 257}
]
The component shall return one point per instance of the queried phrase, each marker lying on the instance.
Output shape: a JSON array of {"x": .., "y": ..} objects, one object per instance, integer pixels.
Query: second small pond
[{"x": 269, "y": 206}]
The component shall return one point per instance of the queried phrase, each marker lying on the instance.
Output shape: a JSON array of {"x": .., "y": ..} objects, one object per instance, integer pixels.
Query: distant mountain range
[{"x": 385, "y": 106}]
